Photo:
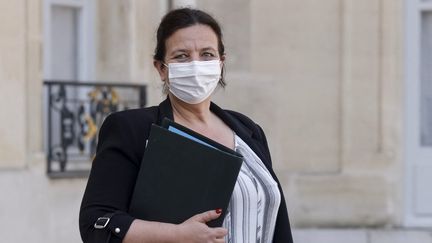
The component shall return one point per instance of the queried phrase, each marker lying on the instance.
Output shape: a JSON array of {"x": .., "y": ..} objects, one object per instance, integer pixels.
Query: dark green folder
[{"x": 180, "y": 177}]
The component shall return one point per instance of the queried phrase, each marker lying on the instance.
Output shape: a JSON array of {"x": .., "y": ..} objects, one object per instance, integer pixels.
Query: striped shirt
[{"x": 254, "y": 204}]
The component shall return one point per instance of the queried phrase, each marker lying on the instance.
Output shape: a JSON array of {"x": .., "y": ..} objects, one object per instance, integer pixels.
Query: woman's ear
[
  {"x": 222, "y": 60},
  {"x": 162, "y": 69}
]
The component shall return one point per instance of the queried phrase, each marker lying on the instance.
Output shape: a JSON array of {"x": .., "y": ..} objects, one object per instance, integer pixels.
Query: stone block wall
[{"x": 323, "y": 78}]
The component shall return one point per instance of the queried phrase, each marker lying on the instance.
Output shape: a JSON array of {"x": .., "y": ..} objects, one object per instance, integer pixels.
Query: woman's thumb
[{"x": 208, "y": 216}]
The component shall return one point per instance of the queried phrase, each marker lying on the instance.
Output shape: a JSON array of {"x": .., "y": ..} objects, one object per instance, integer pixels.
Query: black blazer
[{"x": 120, "y": 150}]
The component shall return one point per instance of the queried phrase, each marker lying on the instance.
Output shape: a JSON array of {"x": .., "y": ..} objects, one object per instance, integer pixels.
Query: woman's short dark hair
[{"x": 183, "y": 18}]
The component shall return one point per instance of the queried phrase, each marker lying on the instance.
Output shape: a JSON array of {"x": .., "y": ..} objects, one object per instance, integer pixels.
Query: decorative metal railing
[{"x": 74, "y": 112}]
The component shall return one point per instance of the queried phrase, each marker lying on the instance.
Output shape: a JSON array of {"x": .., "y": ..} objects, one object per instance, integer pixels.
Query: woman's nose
[{"x": 195, "y": 56}]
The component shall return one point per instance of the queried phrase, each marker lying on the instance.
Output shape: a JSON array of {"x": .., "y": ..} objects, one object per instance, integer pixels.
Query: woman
[{"x": 189, "y": 57}]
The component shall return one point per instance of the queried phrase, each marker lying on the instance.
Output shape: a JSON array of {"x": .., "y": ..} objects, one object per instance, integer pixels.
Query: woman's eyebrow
[
  {"x": 208, "y": 49},
  {"x": 178, "y": 50}
]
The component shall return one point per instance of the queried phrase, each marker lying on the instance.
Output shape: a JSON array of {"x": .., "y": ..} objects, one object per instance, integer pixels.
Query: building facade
[{"x": 342, "y": 89}]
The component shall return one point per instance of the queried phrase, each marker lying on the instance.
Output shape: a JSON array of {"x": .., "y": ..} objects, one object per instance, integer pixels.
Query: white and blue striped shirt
[{"x": 254, "y": 204}]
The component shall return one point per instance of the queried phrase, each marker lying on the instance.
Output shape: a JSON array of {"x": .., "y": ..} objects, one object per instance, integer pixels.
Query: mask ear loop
[{"x": 222, "y": 71}]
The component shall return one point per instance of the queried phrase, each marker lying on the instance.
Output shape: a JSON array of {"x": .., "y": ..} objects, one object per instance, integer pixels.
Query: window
[
  {"x": 69, "y": 51},
  {"x": 69, "y": 55}
]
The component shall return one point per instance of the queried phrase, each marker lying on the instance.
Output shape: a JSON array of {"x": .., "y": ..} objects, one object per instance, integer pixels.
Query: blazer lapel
[
  {"x": 243, "y": 132},
  {"x": 165, "y": 110}
]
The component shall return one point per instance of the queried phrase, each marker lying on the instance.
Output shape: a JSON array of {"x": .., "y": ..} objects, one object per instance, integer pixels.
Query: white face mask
[{"x": 193, "y": 82}]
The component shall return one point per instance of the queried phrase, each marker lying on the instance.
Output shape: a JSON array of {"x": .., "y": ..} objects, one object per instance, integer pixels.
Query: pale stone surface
[
  {"x": 306, "y": 65},
  {"x": 361, "y": 99},
  {"x": 361, "y": 236},
  {"x": 34, "y": 80},
  {"x": 183, "y": 3},
  {"x": 113, "y": 40},
  {"x": 340, "y": 200},
  {"x": 20, "y": 82},
  {"x": 126, "y": 46},
  {"x": 330, "y": 236},
  {"x": 145, "y": 18},
  {"x": 37, "y": 209},
  {"x": 400, "y": 236},
  {"x": 13, "y": 84},
  {"x": 392, "y": 139},
  {"x": 236, "y": 28}
]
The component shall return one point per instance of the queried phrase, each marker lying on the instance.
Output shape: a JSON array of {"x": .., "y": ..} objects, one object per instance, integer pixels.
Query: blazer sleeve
[{"x": 111, "y": 182}]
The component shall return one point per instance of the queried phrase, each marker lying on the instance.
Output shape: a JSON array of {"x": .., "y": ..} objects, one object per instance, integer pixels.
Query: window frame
[{"x": 415, "y": 155}]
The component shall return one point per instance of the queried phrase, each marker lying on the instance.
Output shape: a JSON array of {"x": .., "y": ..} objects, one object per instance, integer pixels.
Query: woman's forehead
[{"x": 193, "y": 37}]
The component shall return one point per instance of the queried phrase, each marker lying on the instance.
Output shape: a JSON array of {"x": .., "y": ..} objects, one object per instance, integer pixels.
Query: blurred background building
[{"x": 342, "y": 88}]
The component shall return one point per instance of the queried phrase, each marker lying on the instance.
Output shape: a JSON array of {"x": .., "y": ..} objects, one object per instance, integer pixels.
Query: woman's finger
[
  {"x": 220, "y": 240},
  {"x": 220, "y": 232}
]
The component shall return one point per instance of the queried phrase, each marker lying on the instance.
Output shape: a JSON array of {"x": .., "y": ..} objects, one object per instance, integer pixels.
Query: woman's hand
[
  {"x": 190, "y": 231},
  {"x": 196, "y": 230}
]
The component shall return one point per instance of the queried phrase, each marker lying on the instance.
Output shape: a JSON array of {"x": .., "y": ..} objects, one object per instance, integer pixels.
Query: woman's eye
[
  {"x": 208, "y": 54},
  {"x": 181, "y": 56}
]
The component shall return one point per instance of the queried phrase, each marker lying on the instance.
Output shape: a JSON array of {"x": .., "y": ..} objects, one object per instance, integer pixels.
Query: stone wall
[
  {"x": 13, "y": 83},
  {"x": 323, "y": 78}
]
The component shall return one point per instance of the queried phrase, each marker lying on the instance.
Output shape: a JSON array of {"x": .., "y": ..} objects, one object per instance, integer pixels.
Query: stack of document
[{"x": 183, "y": 173}]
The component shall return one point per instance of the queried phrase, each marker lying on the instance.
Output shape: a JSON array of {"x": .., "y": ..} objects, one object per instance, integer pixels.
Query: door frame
[{"x": 414, "y": 154}]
